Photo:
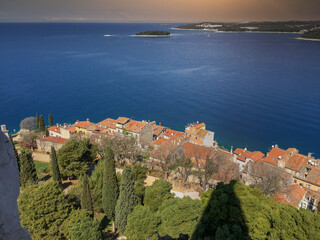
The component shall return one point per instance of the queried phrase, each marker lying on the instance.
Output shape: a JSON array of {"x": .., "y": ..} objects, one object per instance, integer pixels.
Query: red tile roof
[
  {"x": 170, "y": 132},
  {"x": 160, "y": 141},
  {"x": 293, "y": 195},
  {"x": 54, "y": 140},
  {"x": 256, "y": 156},
  {"x": 297, "y": 162},
  {"x": 71, "y": 129},
  {"x": 135, "y": 126},
  {"x": 54, "y": 129},
  {"x": 157, "y": 130},
  {"x": 200, "y": 152},
  {"x": 108, "y": 123},
  {"x": 314, "y": 175},
  {"x": 122, "y": 120},
  {"x": 83, "y": 124}
]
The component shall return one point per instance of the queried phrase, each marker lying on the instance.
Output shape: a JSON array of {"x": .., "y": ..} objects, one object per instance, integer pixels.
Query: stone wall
[{"x": 10, "y": 227}]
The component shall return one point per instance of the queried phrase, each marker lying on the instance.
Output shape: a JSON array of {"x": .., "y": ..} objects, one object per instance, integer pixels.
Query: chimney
[
  {"x": 276, "y": 146},
  {"x": 309, "y": 155},
  {"x": 231, "y": 150},
  {"x": 88, "y": 120},
  {"x": 159, "y": 123},
  {"x": 77, "y": 121},
  {"x": 57, "y": 124},
  {"x": 148, "y": 121},
  {"x": 64, "y": 125}
]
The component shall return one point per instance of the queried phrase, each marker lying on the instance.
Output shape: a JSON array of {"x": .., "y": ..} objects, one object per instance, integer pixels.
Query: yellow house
[{"x": 84, "y": 126}]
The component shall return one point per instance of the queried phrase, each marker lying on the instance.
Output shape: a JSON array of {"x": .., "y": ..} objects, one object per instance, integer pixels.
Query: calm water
[{"x": 253, "y": 90}]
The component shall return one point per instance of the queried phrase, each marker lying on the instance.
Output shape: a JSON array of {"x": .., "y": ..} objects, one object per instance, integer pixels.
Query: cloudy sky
[{"x": 157, "y": 10}]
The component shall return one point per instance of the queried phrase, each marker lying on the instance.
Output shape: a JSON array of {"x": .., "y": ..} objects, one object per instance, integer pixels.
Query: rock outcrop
[{"x": 10, "y": 227}]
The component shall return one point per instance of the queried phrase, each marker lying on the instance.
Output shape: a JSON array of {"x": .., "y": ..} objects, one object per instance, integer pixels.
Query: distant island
[
  {"x": 307, "y": 29},
  {"x": 153, "y": 33}
]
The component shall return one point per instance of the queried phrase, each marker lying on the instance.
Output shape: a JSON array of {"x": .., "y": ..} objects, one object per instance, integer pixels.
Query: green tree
[
  {"x": 139, "y": 175},
  {"x": 55, "y": 167},
  {"x": 43, "y": 208},
  {"x": 75, "y": 157},
  {"x": 28, "y": 174},
  {"x": 50, "y": 119},
  {"x": 142, "y": 224},
  {"x": 86, "y": 229},
  {"x": 16, "y": 154},
  {"x": 96, "y": 184},
  {"x": 75, "y": 216},
  {"x": 126, "y": 201},
  {"x": 157, "y": 193},
  {"x": 180, "y": 216},
  {"x": 46, "y": 131},
  {"x": 110, "y": 191},
  {"x": 42, "y": 125},
  {"x": 86, "y": 200},
  {"x": 37, "y": 120},
  {"x": 206, "y": 196}
]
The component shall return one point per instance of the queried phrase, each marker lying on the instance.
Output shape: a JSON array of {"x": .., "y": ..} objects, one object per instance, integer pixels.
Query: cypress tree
[
  {"x": 50, "y": 119},
  {"x": 41, "y": 124},
  {"x": 127, "y": 200},
  {"x": 46, "y": 132},
  {"x": 16, "y": 155},
  {"x": 86, "y": 200},
  {"x": 55, "y": 167},
  {"x": 37, "y": 120},
  {"x": 28, "y": 174},
  {"x": 110, "y": 189}
]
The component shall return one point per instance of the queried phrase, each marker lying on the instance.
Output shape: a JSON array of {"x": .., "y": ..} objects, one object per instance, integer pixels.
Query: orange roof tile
[
  {"x": 201, "y": 152},
  {"x": 71, "y": 129},
  {"x": 54, "y": 140},
  {"x": 108, "y": 123},
  {"x": 83, "y": 124},
  {"x": 256, "y": 155},
  {"x": 274, "y": 154},
  {"x": 157, "y": 130},
  {"x": 202, "y": 133},
  {"x": 314, "y": 175},
  {"x": 169, "y": 132},
  {"x": 297, "y": 162},
  {"x": 122, "y": 120},
  {"x": 54, "y": 129},
  {"x": 135, "y": 126},
  {"x": 160, "y": 141}
]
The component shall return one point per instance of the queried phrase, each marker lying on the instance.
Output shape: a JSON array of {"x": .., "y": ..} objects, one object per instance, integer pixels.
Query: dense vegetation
[
  {"x": 312, "y": 34},
  {"x": 291, "y": 26},
  {"x": 154, "y": 33}
]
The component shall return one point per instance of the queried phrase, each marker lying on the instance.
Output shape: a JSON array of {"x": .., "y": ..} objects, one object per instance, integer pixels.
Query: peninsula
[
  {"x": 307, "y": 29},
  {"x": 154, "y": 33}
]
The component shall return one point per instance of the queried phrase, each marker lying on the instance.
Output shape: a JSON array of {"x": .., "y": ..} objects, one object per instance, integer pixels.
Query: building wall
[
  {"x": 65, "y": 133},
  {"x": 146, "y": 134},
  {"x": 306, "y": 184},
  {"x": 45, "y": 146},
  {"x": 83, "y": 130},
  {"x": 54, "y": 134},
  {"x": 208, "y": 139}
]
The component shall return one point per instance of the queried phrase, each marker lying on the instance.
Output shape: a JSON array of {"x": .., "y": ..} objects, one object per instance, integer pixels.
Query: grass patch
[{"x": 42, "y": 169}]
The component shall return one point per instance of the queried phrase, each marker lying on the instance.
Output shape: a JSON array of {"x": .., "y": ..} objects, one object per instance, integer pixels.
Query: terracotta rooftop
[
  {"x": 293, "y": 195},
  {"x": 160, "y": 141},
  {"x": 314, "y": 175},
  {"x": 256, "y": 155},
  {"x": 54, "y": 129},
  {"x": 297, "y": 162},
  {"x": 108, "y": 123},
  {"x": 201, "y": 152},
  {"x": 135, "y": 126},
  {"x": 202, "y": 133},
  {"x": 170, "y": 132},
  {"x": 54, "y": 140},
  {"x": 122, "y": 120},
  {"x": 157, "y": 130},
  {"x": 71, "y": 129},
  {"x": 83, "y": 124}
]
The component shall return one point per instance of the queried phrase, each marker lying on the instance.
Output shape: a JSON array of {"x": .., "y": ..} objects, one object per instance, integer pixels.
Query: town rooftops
[
  {"x": 314, "y": 175},
  {"x": 297, "y": 162},
  {"x": 196, "y": 151},
  {"x": 57, "y": 129},
  {"x": 202, "y": 133},
  {"x": 243, "y": 154},
  {"x": 157, "y": 129},
  {"x": 108, "y": 123},
  {"x": 122, "y": 120},
  {"x": 170, "y": 132},
  {"x": 83, "y": 124},
  {"x": 54, "y": 140},
  {"x": 293, "y": 195},
  {"x": 135, "y": 126},
  {"x": 54, "y": 129}
]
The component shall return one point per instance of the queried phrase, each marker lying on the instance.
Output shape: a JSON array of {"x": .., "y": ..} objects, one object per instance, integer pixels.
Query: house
[
  {"x": 158, "y": 130},
  {"x": 142, "y": 131},
  {"x": 198, "y": 135},
  {"x": 169, "y": 133},
  {"x": 45, "y": 144},
  {"x": 121, "y": 124},
  {"x": 311, "y": 180},
  {"x": 109, "y": 124},
  {"x": 243, "y": 156},
  {"x": 62, "y": 132},
  {"x": 295, "y": 195},
  {"x": 84, "y": 126}
]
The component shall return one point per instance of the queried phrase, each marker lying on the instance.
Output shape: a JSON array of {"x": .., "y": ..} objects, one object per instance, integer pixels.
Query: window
[
  {"x": 308, "y": 186},
  {"x": 295, "y": 181}
]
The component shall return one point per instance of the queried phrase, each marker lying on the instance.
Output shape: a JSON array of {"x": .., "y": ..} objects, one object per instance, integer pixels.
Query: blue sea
[{"x": 252, "y": 89}]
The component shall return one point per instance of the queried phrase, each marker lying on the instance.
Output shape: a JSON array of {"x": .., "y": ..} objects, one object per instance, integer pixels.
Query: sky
[{"x": 157, "y": 10}]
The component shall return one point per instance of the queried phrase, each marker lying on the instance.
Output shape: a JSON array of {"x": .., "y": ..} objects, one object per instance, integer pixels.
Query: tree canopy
[
  {"x": 43, "y": 208},
  {"x": 28, "y": 123},
  {"x": 28, "y": 174},
  {"x": 75, "y": 157},
  {"x": 86, "y": 229},
  {"x": 157, "y": 193}
]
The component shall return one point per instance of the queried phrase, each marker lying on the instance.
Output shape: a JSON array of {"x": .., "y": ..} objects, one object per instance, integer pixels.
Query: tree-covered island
[
  {"x": 312, "y": 34},
  {"x": 153, "y": 33}
]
